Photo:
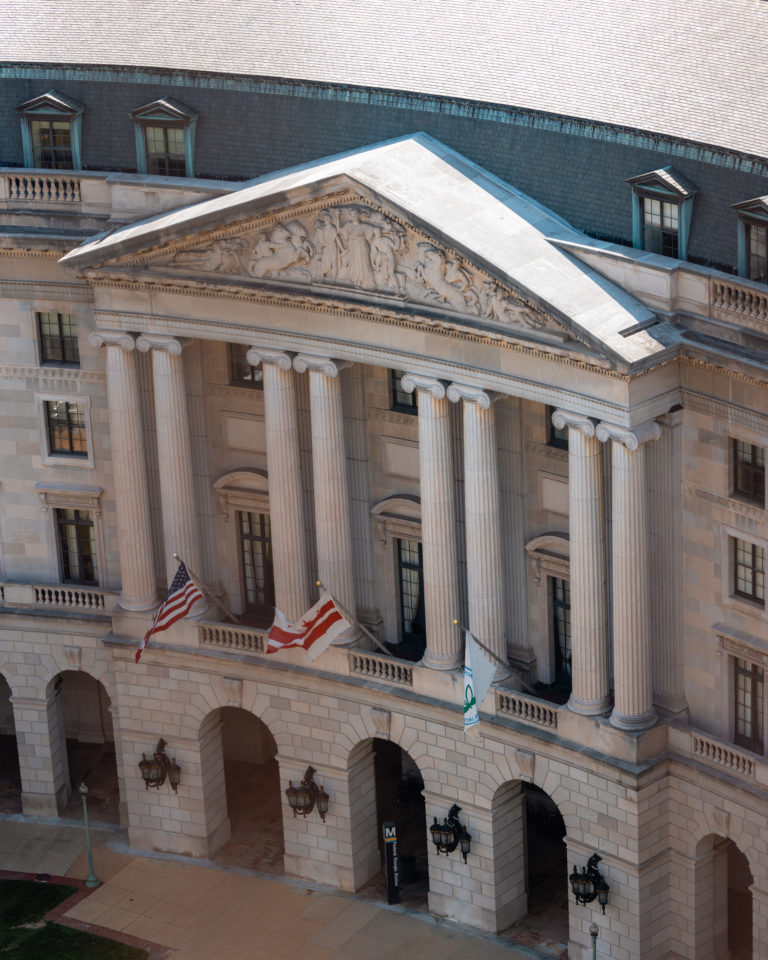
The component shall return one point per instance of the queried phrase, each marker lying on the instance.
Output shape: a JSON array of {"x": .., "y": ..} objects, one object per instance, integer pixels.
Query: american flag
[
  {"x": 182, "y": 593},
  {"x": 315, "y": 632}
]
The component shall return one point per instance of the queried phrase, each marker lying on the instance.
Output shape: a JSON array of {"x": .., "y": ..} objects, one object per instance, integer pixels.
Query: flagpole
[
  {"x": 353, "y": 619},
  {"x": 493, "y": 656},
  {"x": 223, "y": 607}
]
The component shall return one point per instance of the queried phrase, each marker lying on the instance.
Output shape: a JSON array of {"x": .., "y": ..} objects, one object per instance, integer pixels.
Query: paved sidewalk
[{"x": 203, "y": 911}]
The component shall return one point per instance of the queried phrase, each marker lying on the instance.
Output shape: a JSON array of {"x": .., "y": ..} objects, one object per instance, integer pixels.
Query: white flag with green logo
[{"x": 478, "y": 674}]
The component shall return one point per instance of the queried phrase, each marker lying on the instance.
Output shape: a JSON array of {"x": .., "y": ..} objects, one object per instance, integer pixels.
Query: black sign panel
[{"x": 390, "y": 860}]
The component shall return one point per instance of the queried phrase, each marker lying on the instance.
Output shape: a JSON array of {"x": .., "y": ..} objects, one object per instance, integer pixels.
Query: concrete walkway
[{"x": 198, "y": 910}]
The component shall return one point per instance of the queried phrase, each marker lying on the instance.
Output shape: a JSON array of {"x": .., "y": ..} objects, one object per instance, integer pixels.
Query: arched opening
[
  {"x": 83, "y": 746},
  {"x": 544, "y": 926},
  {"x": 10, "y": 777},
  {"x": 723, "y": 901},
  {"x": 252, "y": 793},
  {"x": 400, "y": 799}
]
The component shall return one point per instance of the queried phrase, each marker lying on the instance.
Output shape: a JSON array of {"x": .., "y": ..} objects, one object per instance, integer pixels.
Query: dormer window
[
  {"x": 753, "y": 238},
  {"x": 50, "y": 132},
  {"x": 662, "y": 203},
  {"x": 165, "y": 136}
]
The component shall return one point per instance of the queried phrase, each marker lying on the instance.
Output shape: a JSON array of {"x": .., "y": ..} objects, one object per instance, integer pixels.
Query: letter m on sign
[{"x": 389, "y": 832}]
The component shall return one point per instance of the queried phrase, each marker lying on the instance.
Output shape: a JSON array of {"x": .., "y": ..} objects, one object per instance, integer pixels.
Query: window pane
[
  {"x": 411, "y": 582},
  {"x": 757, "y": 251},
  {"x": 561, "y": 629},
  {"x": 66, "y": 428},
  {"x": 401, "y": 399},
  {"x": 77, "y": 546},
  {"x": 57, "y": 334},
  {"x": 256, "y": 558}
]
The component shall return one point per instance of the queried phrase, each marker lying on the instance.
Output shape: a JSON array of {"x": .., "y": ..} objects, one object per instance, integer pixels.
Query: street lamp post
[
  {"x": 593, "y": 932},
  {"x": 91, "y": 880}
]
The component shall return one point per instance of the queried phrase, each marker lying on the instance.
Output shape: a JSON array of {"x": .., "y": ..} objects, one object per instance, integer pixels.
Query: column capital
[
  {"x": 112, "y": 338},
  {"x": 631, "y": 439},
  {"x": 330, "y": 367},
  {"x": 415, "y": 381},
  {"x": 159, "y": 341},
  {"x": 281, "y": 359},
  {"x": 564, "y": 418},
  {"x": 462, "y": 391}
]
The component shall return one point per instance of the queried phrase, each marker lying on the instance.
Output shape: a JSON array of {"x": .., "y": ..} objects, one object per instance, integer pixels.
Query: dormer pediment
[
  {"x": 165, "y": 110},
  {"x": 757, "y": 207},
  {"x": 666, "y": 181},
  {"x": 51, "y": 104}
]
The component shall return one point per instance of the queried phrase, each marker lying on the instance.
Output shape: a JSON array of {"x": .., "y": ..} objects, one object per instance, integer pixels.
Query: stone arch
[
  {"x": 231, "y": 738},
  {"x": 724, "y": 922}
]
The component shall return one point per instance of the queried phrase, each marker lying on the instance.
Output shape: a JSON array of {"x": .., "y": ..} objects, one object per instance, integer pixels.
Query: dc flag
[
  {"x": 315, "y": 632},
  {"x": 182, "y": 594}
]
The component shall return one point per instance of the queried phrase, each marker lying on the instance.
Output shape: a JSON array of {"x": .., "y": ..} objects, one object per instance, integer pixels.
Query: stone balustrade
[
  {"x": 527, "y": 709},
  {"x": 362, "y": 663},
  {"x": 232, "y": 637},
  {"x": 722, "y": 755},
  {"x": 48, "y": 596},
  {"x": 41, "y": 188},
  {"x": 740, "y": 303}
]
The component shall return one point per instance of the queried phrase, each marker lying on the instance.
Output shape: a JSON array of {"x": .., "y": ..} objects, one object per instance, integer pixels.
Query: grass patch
[{"x": 24, "y": 935}]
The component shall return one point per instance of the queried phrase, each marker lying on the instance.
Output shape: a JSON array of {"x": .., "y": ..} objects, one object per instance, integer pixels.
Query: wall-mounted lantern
[
  {"x": 155, "y": 771},
  {"x": 302, "y": 799},
  {"x": 451, "y": 833},
  {"x": 589, "y": 884}
]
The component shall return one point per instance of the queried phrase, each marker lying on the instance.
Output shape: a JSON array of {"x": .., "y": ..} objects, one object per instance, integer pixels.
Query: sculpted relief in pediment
[{"x": 356, "y": 247}]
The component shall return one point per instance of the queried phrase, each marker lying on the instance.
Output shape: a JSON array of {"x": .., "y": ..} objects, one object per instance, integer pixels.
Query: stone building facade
[{"x": 395, "y": 372}]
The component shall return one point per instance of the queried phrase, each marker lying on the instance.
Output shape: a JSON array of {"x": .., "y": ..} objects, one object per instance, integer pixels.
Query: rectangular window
[
  {"x": 749, "y": 570},
  {"x": 749, "y": 472},
  {"x": 411, "y": 582},
  {"x": 558, "y": 436},
  {"x": 77, "y": 546},
  {"x": 256, "y": 557},
  {"x": 748, "y": 704},
  {"x": 51, "y": 144},
  {"x": 57, "y": 334},
  {"x": 400, "y": 399},
  {"x": 165, "y": 151},
  {"x": 660, "y": 226},
  {"x": 241, "y": 373},
  {"x": 65, "y": 421},
  {"x": 757, "y": 252},
  {"x": 561, "y": 629}
]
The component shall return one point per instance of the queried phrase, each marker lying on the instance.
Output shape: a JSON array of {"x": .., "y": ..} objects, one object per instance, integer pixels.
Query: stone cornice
[
  {"x": 15, "y": 371},
  {"x": 713, "y": 407},
  {"x": 722, "y": 369},
  {"x": 43, "y": 290},
  {"x": 737, "y": 510}
]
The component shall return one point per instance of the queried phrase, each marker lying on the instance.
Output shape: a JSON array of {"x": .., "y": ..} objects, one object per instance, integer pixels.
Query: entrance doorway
[
  {"x": 400, "y": 798},
  {"x": 724, "y": 901},
  {"x": 545, "y": 926},
  {"x": 85, "y": 735},
  {"x": 252, "y": 783},
  {"x": 10, "y": 777}
]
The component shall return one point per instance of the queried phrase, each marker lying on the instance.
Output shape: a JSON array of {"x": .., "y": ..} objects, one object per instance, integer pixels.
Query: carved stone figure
[
  {"x": 356, "y": 255},
  {"x": 223, "y": 257},
  {"x": 328, "y": 242},
  {"x": 431, "y": 270},
  {"x": 287, "y": 246},
  {"x": 384, "y": 246}
]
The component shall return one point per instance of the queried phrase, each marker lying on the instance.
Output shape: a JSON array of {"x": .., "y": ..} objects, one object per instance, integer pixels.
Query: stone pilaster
[
  {"x": 174, "y": 453},
  {"x": 485, "y": 576},
  {"x": 590, "y": 695},
  {"x": 286, "y": 502},
  {"x": 632, "y": 668},
  {"x": 329, "y": 468},
  {"x": 438, "y": 524},
  {"x": 134, "y": 530}
]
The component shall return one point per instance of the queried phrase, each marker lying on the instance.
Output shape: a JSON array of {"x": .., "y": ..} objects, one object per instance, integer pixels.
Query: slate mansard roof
[{"x": 686, "y": 69}]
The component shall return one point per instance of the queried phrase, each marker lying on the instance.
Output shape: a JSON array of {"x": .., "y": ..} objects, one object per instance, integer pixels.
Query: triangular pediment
[
  {"x": 665, "y": 180},
  {"x": 51, "y": 103},
  {"x": 409, "y": 227},
  {"x": 166, "y": 110}
]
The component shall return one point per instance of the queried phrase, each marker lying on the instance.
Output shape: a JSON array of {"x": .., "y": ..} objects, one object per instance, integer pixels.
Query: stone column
[
  {"x": 43, "y": 766},
  {"x": 329, "y": 468},
  {"x": 632, "y": 668},
  {"x": 134, "y": 530},
  {"x": 438, "y": 524},
  {"x": 590, "y": 695},
  {"x": 174, "y": 453},
  {"x": 286, "y": 502},
  {"x": 485, "y": 576}
]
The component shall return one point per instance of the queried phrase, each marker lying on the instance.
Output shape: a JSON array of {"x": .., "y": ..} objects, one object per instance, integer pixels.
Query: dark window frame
[
  {"x": 560, "y": 621},
  {"x": 400, "y": 401},
  {"x": 57, "y": 349},
  {"x": 67, "y": 422},
  {"x": 657, "y": 239},
  {"x": 255, "y": 550},
  {"x": 77, "y": 552},
  {"x": 749, "y": 557},
  {"x": 748, "y": 705},
  {"x": 242, "y": 373},
  {"x": 166, "y": 163},
  {"x": 748, "y": 480},
  {"x": 47, "y": 152},
  {"x": 412, "y": 627},
  {"x": 556, "y": 437}
]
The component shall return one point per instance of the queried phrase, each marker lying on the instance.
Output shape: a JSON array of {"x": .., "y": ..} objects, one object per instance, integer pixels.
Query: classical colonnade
[{"x": 632, "y": 661}]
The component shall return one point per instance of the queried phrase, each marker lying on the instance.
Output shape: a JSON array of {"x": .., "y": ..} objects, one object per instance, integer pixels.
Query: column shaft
[
  {"x": 329, "y": 468},
  {"x": 286, "y": 503},
  {"x": 137, "y": 565},
  {"x": 485, "y": 577},
  {"x": 438, "y": 525},
  {"x": 632, "y": 669},
  {"x": 589, "y": 618}
]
